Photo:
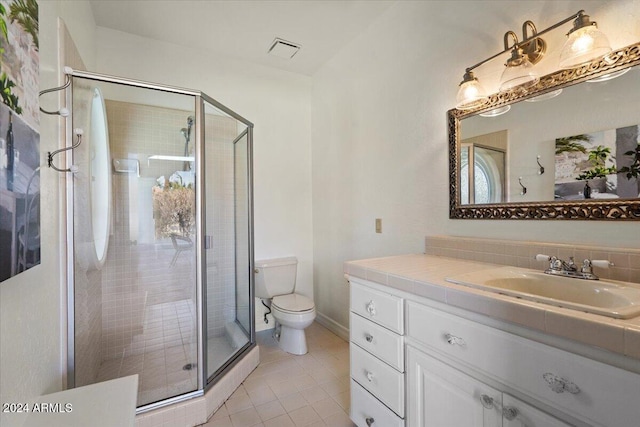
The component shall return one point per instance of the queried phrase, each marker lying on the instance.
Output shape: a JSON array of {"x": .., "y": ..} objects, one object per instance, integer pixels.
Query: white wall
[
  {"x": 277, "y": 102},
  {"x": 379, "y": 136},
  {"x": 31, "y": 315}
]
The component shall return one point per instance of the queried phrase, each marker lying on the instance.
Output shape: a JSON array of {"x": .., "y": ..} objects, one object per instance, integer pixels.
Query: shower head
[
  {"x": 187, "y": 132},
  {"x": 190, "y": 121}
]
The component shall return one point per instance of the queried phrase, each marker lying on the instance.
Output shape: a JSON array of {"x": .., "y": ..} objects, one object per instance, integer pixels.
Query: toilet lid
[{"x": 293, "y": 302}]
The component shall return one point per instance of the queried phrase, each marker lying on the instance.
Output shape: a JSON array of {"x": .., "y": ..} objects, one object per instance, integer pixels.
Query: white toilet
[{"x": 276, "y": 282}]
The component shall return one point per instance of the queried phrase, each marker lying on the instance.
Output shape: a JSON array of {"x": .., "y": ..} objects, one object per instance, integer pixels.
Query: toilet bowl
[
  {"x": 293, "y": 313},
  {"x": 275, "y": 282}
]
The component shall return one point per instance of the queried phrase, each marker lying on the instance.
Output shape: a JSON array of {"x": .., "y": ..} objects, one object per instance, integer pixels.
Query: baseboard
[{"x": 333, "y": 326}]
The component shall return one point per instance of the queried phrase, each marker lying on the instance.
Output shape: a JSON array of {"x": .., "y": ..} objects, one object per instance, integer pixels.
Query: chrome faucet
[{"x": 558, "y": 267}]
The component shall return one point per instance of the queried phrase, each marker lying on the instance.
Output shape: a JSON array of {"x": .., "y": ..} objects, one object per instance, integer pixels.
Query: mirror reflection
[{"x": 581, "y": 144}]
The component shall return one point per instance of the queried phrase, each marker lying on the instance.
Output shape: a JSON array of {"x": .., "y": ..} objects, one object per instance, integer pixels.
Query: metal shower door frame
[{"x": 204, "y": 383}]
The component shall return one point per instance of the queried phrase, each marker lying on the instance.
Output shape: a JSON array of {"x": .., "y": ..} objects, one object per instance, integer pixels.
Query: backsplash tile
[{"x": 522, "y": 254}]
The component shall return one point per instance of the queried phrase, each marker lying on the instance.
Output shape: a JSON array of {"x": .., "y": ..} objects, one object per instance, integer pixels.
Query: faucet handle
[
  {"x": 587, "y": 265},
  {"x": 541, "y": 257},
  {"x": 554, "y": 262},
  {"x": 601, "y": 263}
]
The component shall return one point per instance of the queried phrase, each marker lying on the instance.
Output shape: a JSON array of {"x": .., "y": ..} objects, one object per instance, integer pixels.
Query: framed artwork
[
  {"x": 19, "y": 138},
  {"x": 598, "y": 165}
]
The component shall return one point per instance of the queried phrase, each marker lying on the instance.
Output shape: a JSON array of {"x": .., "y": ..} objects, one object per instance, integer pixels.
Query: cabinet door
[
  {"x": 516, "y": 413},
  {"x": 441, "y": 396}
]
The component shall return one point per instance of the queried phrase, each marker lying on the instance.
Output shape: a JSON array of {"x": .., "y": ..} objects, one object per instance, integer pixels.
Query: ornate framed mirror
[{"x": 574, "y": 156}]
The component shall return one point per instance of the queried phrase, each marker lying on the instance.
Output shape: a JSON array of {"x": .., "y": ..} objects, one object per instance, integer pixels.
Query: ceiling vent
[{"x": 283, "y": 49}]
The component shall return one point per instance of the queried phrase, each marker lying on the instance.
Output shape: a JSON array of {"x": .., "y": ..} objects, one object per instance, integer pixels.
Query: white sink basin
[{"x": 610, "y": 298}]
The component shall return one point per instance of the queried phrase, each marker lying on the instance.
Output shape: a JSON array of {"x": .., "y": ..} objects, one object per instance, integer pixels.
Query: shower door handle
[{"x": 208, "y": 242}]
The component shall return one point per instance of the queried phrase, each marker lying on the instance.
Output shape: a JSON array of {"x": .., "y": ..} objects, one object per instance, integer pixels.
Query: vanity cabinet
[
  {"x": 587, "y": 390},
  {"x": 451, "y": 368},
  {"x": 377, "y": 357},
  {"x": 439, "y": 395},
  {"x": 443, "y": 396},
  {"x": 516, "y": 413}
]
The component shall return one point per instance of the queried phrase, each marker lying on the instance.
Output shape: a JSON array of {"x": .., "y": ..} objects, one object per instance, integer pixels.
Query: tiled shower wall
[
  {"x": 522, "y": 254},
  {"x": 138, "y": 266}
]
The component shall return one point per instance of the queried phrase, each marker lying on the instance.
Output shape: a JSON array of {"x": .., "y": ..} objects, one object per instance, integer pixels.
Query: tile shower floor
[
  {"x": 161, "y": 353},
  {"x": 293, "y": 391},
  {"x": 161, "y": 372}
]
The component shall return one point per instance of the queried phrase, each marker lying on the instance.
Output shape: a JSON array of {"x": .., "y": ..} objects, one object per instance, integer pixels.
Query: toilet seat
[{"x": 293, "y": 303}]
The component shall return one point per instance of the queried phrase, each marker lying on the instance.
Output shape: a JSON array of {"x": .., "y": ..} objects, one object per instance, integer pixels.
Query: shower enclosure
[{"x": 159, "y": 210}]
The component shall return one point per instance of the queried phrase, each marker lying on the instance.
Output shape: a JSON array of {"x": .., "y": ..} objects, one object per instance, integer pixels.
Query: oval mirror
[{"x": 99, "y": 168}]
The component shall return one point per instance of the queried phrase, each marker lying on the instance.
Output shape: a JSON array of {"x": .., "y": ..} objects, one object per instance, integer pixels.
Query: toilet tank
[{"x": 275, "y": 277}]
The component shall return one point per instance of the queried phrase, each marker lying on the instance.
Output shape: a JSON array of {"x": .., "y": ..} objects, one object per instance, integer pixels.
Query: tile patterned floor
[
  {"x": 293, "y": 391},
  {"x": 167, "y": 345}
]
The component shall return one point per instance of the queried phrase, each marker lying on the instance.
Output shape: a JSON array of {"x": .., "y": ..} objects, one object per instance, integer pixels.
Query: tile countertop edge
[{"x": 424, "y": 276}]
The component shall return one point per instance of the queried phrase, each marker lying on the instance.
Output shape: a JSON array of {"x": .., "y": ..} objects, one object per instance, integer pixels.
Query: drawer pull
[
  {"x": 369, "y": 421},
  {"x": 486, "y": 401},
  {"x": 368, "y": 337},
  {"x": 369, "y": 375},
  {"x": 454, "y": 340},
  {"x": 510, "y": 413},
  {"x": 371, "y": 308},
  {"x": 559, "y": 384}
]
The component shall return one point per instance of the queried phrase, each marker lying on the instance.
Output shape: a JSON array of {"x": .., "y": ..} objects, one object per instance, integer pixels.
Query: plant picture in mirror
[{"x": 598, "y": 165}]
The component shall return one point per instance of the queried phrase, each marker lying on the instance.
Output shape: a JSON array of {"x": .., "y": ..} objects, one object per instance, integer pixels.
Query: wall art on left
[{"x": 19, "y": 138}]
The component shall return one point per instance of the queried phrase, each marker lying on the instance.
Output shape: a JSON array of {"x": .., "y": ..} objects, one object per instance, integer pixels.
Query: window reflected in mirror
[{"x": 482, "y": 181}]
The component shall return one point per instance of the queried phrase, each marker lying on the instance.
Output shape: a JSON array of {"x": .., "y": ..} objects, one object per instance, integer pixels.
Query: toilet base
[{"x": 291, "y": 340}]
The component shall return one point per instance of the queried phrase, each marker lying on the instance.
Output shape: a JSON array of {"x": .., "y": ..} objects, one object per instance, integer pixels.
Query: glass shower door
[
  {"x": 226, "y": 224},
  {"x": 134, "y": 264}
]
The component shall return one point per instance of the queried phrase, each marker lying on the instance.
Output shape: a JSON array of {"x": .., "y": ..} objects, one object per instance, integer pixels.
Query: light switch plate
[{"x": 378, "y": 225}]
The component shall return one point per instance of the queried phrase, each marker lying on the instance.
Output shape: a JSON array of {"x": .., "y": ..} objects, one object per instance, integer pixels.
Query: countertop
[{"x": 424, "y": 276}]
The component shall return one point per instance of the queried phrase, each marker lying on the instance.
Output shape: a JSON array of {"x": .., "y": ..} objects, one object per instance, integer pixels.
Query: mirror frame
[{"x": 622, "y": 209}]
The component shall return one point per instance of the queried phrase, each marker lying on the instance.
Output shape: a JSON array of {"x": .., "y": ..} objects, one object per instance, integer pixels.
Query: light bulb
[{"x": 585, "y": 43}]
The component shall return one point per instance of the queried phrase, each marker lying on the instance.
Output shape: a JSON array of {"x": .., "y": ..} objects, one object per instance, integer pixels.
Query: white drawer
[
  {"x": 380, "y": 307},
  {"x": 366, "y": 407},
  {"x": 379, "y": 341},
  {"x": 377, "y": 377},
  {"x": 605, "y": 395}
]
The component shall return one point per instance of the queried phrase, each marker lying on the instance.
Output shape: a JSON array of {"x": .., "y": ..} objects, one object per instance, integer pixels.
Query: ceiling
[{"x": 245, "y": 29}]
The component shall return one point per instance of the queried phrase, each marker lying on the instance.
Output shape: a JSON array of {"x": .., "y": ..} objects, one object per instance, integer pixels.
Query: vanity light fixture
[
  {"x": 544, "y": 96},
  {"x": 496, "y": 111},
  {"x": 609, "y": 76},
  {"x": 519, "y": 68},
  {"x": 585, "y": 43},
  {"x": 470, "y": 94}
]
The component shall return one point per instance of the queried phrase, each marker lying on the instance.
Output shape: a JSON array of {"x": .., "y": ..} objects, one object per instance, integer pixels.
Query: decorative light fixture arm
[
  {"x": 580, "y": 18},
  {"x": 506, "y": 40}
]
